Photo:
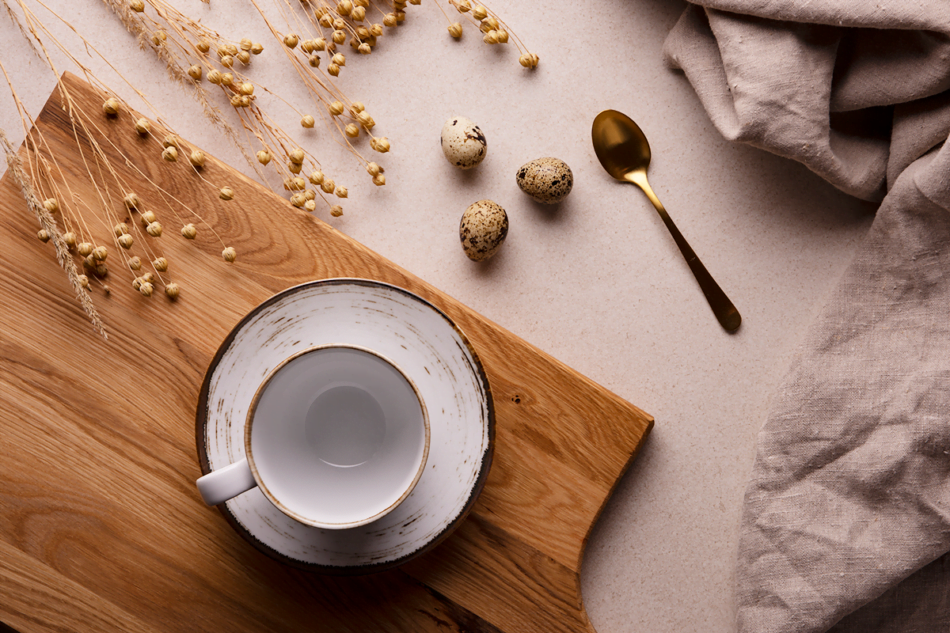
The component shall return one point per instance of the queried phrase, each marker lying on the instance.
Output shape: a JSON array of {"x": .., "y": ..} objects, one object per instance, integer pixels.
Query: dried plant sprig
[
  {"x": 78, "y": 282},
  {"x": 493, "y": 29},
  {"x": 49, "y": 184}
]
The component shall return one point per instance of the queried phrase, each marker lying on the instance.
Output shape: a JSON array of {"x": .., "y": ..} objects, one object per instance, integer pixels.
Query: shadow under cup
[{"x": 337, "y": 436}]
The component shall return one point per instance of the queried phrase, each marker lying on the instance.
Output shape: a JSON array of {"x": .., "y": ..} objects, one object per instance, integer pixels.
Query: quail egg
[
  {"x": 547, "y": 180},
  {"x": 483, "y": 229},
  {"x": 463, "y": 143}
]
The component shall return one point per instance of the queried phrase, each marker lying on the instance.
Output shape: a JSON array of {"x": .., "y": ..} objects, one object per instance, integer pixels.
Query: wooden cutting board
[{"x": 101, "y": 526}]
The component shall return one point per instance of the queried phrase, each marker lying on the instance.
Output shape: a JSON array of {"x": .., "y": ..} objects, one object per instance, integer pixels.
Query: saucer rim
[{"x": 202, "y": 416}]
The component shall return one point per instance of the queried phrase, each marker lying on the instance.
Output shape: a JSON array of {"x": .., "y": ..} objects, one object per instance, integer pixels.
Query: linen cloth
[{"x": 846, "y": 519}]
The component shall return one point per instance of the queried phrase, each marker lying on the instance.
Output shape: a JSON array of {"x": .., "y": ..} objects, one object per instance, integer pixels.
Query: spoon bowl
[{"x": 622, "y": 148}]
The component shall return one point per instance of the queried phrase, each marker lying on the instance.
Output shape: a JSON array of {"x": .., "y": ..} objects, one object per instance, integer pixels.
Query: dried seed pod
[
  {"x": 389, "y": 20},
  {"x": 379, "y": 180},
  {"x": 89, "y": 262},
  {"x": 137, "y": 283},
  {"x": 502, "y": 36},
  {"x": 246, "y": 89},
  {"x": 479, "y": 12},
  {"x": 339, "y": 36},
  {"x": 356, "y": 107},
  {"x": 339, "y": 59},
  {"x": 158, "y": 37},
  {"x": 344, "y": 7},
  {"x": 358, "y": 14},
  {"x": 336, "y": 210},
  {"x": 100, "y": 253},
  {"x": 197, "y": 158},
  {"x": 372, "y": 169},
  {"x": 333, "y": 70},
  {"x": 111, "y": 106},
  {"x": 214, "y": 76},
  {"x": 307, "y": 46},
  {"x": 148, "y": 217},
  {"x": 101, "y": 270},
  {"x": 229, "y": 254},
  {"x": 170, "y": 154},
  {"x": 148, "y": 277},
  {"x": 352, "y": 130},
  {"x": 341, "y": 192},
  {"x": 146, "y": 289},
  {"x": 376, "y": 30},
  {"x": 314, "y": 61},
  {"x": 85, "y": 249},
  {"x": 463, "y": 6},
  {"x": 316, "y": 177},
  {"x": 171, "y": 290},
  {"x": 226, "y": 193},
  {"x": 326, "y": 20},
  {"x": 257, "y": 49},
  {"x": 42, "y": 235},
  {"x": 125, "y": 241},
  {"x": 490, "y": 38},
  {"x": 296, "y": 156},
  {"x": 154, "y": 229},
  {"x": 328, "y": 185},
  {"x": 263, "y": 157},
  {"x": 307, "y": 121},
  {"x": 189, "y": 232},
  {"x": 137, "y": 5},
  {"x": 120, "y": 229},
  {"x": 195, "y": 72},
  {"x": 290, "y": 40},
  {"x": 70, "y": 239},
  {"x": 51, "y": 205},
  {"x": 295, "y": 184},
  {"x": 83, "y": 281},
  {"x": 310, "y": 206},
  {"x": 227, "y": 61},
  {"x": 309, "y": 195},
  {"x": 143, "y": 127},
  {"x": 320, "y": 44},
  {"x": 246, "y": 44},
  {"x": 366, "y": 120},
  {"x": 364, "y": 49},
  {"x": 244, "y": 57},
  {"x": 135, "y": 263},
  {"x": 380, "y": 144},
  {"x": 294, "y": 168},
  {"x": 160, "y": 264},
  {"x": 297, "y": 200},
  {"x": 203, "y": 45},
  {"x": 227, "y": 79},
  {"x": 336, "y": 108},
  {"x": 132, "y": 201}
]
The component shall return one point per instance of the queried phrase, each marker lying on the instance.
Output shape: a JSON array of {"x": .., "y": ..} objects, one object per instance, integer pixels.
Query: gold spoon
[{"x": 624, "y": 152}]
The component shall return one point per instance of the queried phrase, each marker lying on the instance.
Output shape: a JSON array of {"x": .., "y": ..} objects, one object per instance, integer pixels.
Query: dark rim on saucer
[
  {"x": 273, "y": 498},
  {"x": 201, "y": 420}
]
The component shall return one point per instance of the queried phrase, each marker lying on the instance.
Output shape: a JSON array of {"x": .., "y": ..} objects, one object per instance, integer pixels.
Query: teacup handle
[{"x": 223, "y": 484}]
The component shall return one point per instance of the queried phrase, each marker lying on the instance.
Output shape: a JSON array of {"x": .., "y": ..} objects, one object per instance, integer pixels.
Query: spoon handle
[{"x": 722, "y": 307}]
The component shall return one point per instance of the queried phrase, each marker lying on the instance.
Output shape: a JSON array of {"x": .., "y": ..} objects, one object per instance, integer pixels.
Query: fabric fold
[{"x": 846, "y": 519}]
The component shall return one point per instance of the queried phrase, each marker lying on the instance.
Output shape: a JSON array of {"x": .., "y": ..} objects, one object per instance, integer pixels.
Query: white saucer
[{"x": 420, "y": 339}]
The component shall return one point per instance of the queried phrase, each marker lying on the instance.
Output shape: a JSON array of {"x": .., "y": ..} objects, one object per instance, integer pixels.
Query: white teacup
[{"x": 336, "y": 437}]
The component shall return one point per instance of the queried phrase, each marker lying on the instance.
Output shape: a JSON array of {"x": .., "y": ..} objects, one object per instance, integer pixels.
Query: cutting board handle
[{"x": 223, "y": 484}]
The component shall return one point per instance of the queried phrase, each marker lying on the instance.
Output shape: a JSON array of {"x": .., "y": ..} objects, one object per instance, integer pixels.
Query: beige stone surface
[{"x": 597, "y": 282}]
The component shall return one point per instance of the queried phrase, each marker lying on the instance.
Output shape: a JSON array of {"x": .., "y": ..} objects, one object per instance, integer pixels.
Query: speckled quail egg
[
  {"x": 463, "y": 143},
  {"x": 547, "y": 180},
  {"x": 483, "y": 229}
]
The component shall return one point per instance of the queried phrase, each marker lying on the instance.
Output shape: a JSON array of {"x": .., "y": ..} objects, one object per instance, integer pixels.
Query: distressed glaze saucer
[{"x": 433, "y": 352}]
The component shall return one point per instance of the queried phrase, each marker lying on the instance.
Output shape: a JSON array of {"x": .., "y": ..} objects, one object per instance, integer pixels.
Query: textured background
[{"x": 596, "y": 282}]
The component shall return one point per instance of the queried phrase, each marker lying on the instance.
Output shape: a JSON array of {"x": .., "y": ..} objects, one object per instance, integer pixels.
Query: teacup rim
[{"x": 248, "y": 424}]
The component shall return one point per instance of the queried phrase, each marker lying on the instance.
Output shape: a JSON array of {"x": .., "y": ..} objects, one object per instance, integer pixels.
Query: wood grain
[{"x": 101, "y": 525}]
